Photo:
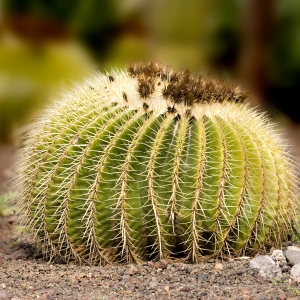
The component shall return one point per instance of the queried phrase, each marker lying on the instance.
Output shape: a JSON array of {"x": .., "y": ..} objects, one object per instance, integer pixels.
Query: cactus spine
[{"x": 154, "y": 163}]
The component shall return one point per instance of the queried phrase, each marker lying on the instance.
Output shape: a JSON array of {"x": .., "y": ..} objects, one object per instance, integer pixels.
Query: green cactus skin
[{"x": 153, "y": 163}]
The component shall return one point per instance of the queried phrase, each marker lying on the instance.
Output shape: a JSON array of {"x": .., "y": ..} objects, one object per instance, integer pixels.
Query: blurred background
[{"x": 47, "y": 46}]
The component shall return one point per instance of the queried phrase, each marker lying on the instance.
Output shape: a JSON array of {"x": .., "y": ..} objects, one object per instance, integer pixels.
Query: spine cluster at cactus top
[{"x": 154, "y": 163}]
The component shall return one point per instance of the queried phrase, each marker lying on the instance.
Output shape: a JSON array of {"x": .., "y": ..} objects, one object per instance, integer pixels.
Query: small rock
[
  {"x": 259, "y": 279},
  {"x": 245, "y": 291},
  {"x": 127, "y": 292},
  {"x": 242, "y": 258},
  {"x": 161, "y": 264},
  {"x": 239, "y": 272},
  {"x": 293, "y": 256},
  {"x": 125, "y": 277},
  {"x": 12, "y": 219},
  {"x": 108, "y": 267},
  {"x": 261, "y": 261},
  {"x": 278, "y": 257},
  {"x": 266, "y": 266},
  {"x": 202, "y": 277},
  {"x": 295, "y": 271},
  {"x": 150, "y": 263},
  {"x": 184, "y": 289},
  {"x": 195, "y": 271},
  {"x": 293, "y": 248},
  {"x": 218, "y": 266},
  {"x": 202, "y": 294},
  {"x": 5, "y": 295},
  {"x": 270, "y": 272},
  {"x": 285, "y": 269},
  {"x": 153, "y": 282},
  {"x": 19, "y": 254},
  {"x": 131, "y": 270}
]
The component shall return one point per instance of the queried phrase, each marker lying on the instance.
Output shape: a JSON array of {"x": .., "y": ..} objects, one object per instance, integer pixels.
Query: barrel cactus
[{"x": 151, "y": 163}]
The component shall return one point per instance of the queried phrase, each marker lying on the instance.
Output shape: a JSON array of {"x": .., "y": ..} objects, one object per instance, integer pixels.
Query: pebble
[
  {"x": 125, "y": 277},
  {"x": 5, "y": 295},
  {"x": 266, "y": 266},
  {"x": 261, "y": 261},
  {"x": 293, "y": 248},
  {"x": 242, "y": 258},
  {"x": 184, "y": 289},
  {"x": 295, "y": 271},
  {"x": 153, "y": 283},
  {"x": 202, "y": 277},
  {"x": 218, "y": 266},
  {"x": 293, "y": 256},
  {"x": 195, "y": 271},
  {"x": 278, "y": 257},
  {"x": 19, "y": 254},
  {"x": 161, "y": 264},
  {"x": 131, "y": 270},
  {"x": 239, "y": 272}
]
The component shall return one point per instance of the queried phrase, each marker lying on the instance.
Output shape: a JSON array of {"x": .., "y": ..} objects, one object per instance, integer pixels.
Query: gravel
[{"x": 25, "y": 275}]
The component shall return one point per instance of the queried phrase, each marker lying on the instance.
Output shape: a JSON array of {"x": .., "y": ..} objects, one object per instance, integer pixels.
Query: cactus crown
[
  {"x": 179, "y": 91},
  {"x": 154, "y": 163},
  {"x": 180, "y": 86}
]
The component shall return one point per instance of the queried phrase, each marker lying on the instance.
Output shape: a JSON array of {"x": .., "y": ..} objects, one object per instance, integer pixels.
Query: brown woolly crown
[{"x": 181, "y": 86}]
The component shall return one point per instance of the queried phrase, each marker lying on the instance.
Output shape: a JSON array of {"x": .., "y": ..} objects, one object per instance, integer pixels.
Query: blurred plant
[
  {"x": 96, "y": 24},
  {"x": 285, "y": 59},
  {"x": 29, "y": 76},
  {"x": 4, "y": 199},
  {"x": 51, "y": 51},
  {"x": 199, "y": 35},
  {"x": 176, "y": 30}
]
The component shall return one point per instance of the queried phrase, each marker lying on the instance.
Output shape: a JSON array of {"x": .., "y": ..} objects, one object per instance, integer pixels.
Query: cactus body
[{"x": 154, "y": 163}]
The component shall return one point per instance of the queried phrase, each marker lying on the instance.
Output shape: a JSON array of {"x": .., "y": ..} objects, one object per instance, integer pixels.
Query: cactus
[{"x": 151, "y": 163}]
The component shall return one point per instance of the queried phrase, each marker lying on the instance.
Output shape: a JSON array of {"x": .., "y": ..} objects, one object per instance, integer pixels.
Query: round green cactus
[{"x": 154, "y": 163}]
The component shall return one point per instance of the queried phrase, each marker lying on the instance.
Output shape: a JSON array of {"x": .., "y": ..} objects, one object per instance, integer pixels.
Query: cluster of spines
[{"x": 181, "y": 86}]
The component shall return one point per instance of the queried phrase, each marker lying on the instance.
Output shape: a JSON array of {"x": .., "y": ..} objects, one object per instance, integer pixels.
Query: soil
[{"x": 25, "y": 275}]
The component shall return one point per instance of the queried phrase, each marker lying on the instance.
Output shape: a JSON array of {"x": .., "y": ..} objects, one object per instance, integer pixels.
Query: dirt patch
[
  {"x": 25, "y": 275},
  {"x": 7, "y": 153}
]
